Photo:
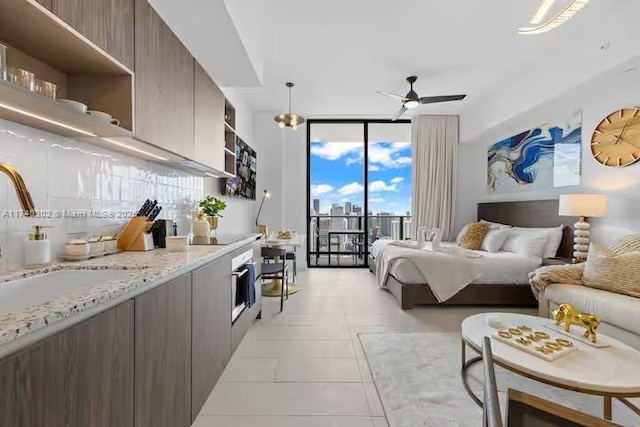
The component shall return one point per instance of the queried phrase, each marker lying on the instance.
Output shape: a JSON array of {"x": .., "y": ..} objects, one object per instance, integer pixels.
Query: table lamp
[
  {"x": 584, "y": 206},
  {"x": 262, "y": 228}
]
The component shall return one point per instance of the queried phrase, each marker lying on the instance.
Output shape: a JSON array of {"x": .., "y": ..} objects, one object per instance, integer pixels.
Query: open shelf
[
  {"x": 22, "y": 106},
  {"x": 229, "y": 152},
  {"x": 33, "y": 29}
]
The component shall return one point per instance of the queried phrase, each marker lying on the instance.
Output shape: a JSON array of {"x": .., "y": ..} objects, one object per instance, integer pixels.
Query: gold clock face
[{"x": 616, "y": 140}]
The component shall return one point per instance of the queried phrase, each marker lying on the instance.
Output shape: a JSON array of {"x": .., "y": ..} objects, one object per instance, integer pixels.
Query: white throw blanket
[{"x": 447, "y": 270}]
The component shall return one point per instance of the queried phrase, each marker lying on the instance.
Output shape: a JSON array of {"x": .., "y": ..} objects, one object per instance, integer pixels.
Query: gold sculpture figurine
[{"x": 570, "y": 316}]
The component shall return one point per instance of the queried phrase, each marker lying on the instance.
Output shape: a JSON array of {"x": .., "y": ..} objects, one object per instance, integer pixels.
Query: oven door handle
[{"x": 240, "y": 274}]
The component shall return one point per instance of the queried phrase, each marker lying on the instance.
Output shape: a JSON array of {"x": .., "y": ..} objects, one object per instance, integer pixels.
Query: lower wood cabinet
[
  {"x": 163, "y": 355},
  {"x": 211, "y": 344},
  {"x": 82, "y": 376}
]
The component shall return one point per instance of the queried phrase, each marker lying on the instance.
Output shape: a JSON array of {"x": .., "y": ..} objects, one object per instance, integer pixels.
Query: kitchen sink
[{"x": 19, "y": 294}]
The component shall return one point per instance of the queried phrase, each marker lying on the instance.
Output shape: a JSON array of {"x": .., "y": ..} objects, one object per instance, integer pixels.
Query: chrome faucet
[{"x": 20, "y": 187}]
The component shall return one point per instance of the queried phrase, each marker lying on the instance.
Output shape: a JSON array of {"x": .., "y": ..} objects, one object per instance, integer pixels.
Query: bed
[{"x": 497, "y": 285}]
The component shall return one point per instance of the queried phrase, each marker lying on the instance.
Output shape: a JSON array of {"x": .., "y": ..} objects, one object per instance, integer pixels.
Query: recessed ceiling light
[{"x": 567, "y": 13}]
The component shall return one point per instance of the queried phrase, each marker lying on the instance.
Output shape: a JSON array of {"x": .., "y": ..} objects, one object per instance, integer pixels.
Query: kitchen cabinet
[
  {"x": 163, "y": 355},
  {"x": 82, "y": 376},
  {"x": 209, "y": 121},
  {"x": 45, "y": 3},
  {"x": 211, "y": 344},
  {"x": 164, "y": 86},
  {"x": 107, "y": 23}
]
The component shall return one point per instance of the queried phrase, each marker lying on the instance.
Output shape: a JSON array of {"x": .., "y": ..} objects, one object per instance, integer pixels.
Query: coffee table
[{"x": 612, "y": 372}]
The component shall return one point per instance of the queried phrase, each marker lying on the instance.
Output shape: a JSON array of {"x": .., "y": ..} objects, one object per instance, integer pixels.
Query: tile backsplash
[{"x": 87, "y": 190}]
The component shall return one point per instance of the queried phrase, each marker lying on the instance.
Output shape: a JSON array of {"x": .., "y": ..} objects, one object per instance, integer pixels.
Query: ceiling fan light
[{"x": 412, "y": 103}]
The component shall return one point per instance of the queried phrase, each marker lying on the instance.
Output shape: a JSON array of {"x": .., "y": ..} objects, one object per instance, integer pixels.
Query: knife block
[{"x": 136, "y": 236}]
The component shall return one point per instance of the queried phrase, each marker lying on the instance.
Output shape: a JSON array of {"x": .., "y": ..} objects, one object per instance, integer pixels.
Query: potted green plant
[{"x": 211, "y": 207}]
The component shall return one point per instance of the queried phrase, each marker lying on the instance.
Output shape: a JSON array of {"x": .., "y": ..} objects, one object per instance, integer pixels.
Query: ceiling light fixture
[
  {"x": 542, "y": 11},
  {"x": 412, "y": 103},
  {"x": 46, "y": 120},
  {"x": 137, "y": 150},
  {"x": 567, "y": 13},
  {"x": 289, "y": 120}
]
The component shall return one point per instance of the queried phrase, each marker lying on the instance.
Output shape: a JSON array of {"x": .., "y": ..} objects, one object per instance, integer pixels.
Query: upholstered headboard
[{"x": 531, "y": 213}]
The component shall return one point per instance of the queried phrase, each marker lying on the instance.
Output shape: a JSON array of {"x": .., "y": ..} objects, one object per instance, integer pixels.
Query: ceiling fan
[{"x": 412, "y": 100}]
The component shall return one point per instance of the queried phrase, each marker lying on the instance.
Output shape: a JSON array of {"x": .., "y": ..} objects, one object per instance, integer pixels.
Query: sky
[{"x": 337, "y": 175}]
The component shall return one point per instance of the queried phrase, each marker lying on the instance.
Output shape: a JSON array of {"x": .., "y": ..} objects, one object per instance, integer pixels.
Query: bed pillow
[
  {"x": 462, "y": 232},
  {"x": 528, "y": 243},
  {"x": 494, "y": 240},
  {"x": 474, "y": 235},
  {"x": 496, "y": 224},
  {"x": 554, "y": 238},
  {"x": 609, "y": 271}
]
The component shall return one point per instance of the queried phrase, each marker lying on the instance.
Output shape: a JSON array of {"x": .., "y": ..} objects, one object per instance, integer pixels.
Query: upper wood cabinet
[
  {"x": 209, "y": 121},
  {"x": 163, "y": 355},
  {"x": 107, "y": 23},
  {"x": 164, "y": 84},
  {"x": 211, "y": 345},
  {"x": 45, "y": 3},
  {"x": 82, "y": 376}
]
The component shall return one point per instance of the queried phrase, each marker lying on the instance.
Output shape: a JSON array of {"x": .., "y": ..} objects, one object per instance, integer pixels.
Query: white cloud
[
  {"x": 377, "y": 200},
  {"x": 379, "y": 186},
  {"x": 397, "y": 180},
  {"x": 374, "y": 168},
  {"x": 320, "y": 189},
  {"x": 352, "y": 188},
  {"x": 336, "y": 150},
  {"x": 388, "y": 155}
]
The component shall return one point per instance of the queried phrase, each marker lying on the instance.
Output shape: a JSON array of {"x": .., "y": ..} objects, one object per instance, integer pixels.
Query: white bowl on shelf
[{"x": 74, "y": 105}]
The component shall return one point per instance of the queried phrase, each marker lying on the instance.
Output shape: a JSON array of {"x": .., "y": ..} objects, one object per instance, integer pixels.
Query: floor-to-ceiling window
[{"x": 359, "y": 188}]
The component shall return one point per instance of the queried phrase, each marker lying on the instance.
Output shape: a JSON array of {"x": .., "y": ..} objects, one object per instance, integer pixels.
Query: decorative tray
[
  {"x": 575, "y": 332},
  {"x": 545, "y": 345}
]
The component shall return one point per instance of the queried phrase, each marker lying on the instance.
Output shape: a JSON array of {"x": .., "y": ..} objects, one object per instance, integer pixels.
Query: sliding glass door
[{"x": 359, "y": 188}]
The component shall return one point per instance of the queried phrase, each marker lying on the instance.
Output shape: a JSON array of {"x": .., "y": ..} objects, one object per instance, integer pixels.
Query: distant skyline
[{"x": 337, "y": 175}]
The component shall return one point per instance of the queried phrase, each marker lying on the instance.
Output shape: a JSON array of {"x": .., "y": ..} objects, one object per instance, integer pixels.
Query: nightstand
[{"x": 556, "y": 261}]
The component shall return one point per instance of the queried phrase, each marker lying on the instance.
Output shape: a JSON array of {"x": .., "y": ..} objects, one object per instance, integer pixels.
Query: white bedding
[{"x": 494, "y": 268}]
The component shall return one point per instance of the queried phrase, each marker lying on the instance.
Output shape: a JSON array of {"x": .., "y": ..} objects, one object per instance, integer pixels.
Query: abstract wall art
[{"x": 544, "y": 157}]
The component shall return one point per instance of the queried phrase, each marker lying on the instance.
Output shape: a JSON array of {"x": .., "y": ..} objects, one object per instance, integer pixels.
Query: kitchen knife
[
  {"x": 154, "y": 214},
  {"x": 144, "y": 207},
  {"x": 150, "y": 208}
]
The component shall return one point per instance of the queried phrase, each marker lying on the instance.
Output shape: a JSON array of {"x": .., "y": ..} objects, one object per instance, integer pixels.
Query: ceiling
[{"x": 340, "y": 52}]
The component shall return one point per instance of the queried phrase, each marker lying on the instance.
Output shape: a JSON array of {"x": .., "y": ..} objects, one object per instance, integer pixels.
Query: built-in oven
[{"x": 243, "y": 290}]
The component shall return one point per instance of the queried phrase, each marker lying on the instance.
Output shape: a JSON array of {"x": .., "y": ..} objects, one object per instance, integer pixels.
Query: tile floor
[{"x": 305, "y": 366}]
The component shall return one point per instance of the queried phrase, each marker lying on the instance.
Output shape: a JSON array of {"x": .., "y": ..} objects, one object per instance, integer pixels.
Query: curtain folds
[{"x": 435, "y": 161}]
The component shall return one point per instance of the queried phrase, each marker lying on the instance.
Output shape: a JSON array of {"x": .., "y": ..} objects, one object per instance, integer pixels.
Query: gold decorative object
[
  {"x": 262, "y": 229},
  {"x": 284, "y": 234},
  {"x": 564, "y": 343},
  {"x": 504, "y": 334},
  {"x": 524, "y": 328},
  {"x": 515, "y": 331},
  {"x": 542, "y": 335},
  {"x": 213, "y": 222},
  {"x": 568, "y": 315}
]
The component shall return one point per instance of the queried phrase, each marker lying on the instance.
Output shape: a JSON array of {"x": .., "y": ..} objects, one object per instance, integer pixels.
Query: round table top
[{"x": 605, "y": 371}]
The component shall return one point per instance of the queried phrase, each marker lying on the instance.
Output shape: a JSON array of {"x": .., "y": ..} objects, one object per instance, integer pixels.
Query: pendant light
[{"x": 289, "y": 120}]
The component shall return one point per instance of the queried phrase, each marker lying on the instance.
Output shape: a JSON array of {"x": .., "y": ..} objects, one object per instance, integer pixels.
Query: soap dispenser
[{"x": 37, "y": 250}]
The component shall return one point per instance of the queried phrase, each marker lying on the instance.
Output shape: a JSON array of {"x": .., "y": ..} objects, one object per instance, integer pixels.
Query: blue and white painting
[{"x": 544, "y": 157}]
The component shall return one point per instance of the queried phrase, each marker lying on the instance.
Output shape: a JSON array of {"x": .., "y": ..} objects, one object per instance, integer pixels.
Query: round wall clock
[{"x": 616, "y": 140}]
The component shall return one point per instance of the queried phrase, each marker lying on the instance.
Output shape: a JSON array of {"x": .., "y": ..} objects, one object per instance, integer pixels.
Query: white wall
[
  {"x": 597, "y": 98},
  {"x": 282, "y": 169}
]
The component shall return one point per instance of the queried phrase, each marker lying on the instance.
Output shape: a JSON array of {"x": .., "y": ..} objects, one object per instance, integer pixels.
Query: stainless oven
[{"x": 243, "y": 292}]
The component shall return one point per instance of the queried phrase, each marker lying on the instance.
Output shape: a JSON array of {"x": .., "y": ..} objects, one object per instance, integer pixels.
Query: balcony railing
[{"x": 330, "y": 234}]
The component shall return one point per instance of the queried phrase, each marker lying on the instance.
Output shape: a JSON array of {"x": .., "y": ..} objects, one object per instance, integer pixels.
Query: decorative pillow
[
  {"x": 527, "y": 244},
  {"x": 462, "y": 232},
  {"x": 609, "y": 271},
  {"x": 554, "y": 238},
  {"x": 494, "y": 239},
  {"x": 474, "y": 235},
  {"x": 625, "y": 244}
]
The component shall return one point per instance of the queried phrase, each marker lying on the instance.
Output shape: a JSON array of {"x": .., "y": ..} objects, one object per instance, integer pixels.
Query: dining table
[{"x": 274, "y": 288}]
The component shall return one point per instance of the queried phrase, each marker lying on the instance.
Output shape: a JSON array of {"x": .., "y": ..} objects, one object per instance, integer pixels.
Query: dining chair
[{"x": 274, "y": 267}]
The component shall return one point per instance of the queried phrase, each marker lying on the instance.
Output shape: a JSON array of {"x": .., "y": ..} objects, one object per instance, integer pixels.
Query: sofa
[{"x": 619, "y": 312}]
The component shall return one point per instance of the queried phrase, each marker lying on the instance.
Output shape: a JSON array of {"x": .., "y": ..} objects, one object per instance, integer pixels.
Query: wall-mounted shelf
[
  {"x": 229, "y": 152},
  {"x": 22, "y": 106}
]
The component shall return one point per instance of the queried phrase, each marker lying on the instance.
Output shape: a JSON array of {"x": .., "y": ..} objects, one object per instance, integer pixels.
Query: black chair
[{"x": 274, "y": 267}]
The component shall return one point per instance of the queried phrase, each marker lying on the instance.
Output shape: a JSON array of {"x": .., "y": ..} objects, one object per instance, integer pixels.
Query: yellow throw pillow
[
  {"x": 473, "y": 237},
  {"x": 609, "y": 271}
]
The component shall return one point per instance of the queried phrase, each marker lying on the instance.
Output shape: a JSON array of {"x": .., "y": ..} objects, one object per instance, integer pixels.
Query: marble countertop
[{"x": 146, "y": 270}]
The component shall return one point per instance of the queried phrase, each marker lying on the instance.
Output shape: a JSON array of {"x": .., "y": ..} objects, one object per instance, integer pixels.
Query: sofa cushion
[
  {"x": 613, "y": 272},
  {"x": 619, "y": 310}
]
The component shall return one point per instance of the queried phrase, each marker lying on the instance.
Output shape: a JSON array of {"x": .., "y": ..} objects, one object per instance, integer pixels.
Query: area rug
[{"x": 418, "y": 379}]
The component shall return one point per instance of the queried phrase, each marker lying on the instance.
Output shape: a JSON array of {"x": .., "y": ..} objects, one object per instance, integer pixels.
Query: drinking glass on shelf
[
  {"x": 25, "y": 78},
  {"x": 3, "y": 62},
  {"x": 46, "y": 88}
]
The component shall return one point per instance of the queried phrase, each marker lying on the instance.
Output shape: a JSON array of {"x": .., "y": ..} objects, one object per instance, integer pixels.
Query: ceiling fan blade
[
  {"x": 444, "y": 98},
  {"x": 392, "y": 95},
  {"x": 400, "y": 113}
]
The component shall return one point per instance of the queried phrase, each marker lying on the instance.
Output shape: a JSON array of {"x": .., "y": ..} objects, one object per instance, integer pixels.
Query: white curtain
[{"x": 435, "y": 161}]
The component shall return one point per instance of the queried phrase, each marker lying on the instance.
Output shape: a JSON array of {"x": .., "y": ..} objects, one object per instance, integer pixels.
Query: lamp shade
[{"x": 587, "y": 205}]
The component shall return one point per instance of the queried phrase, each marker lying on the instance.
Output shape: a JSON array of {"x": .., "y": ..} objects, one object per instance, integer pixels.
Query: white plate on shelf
[
  {"x": 74, "y": 105},
  {"x": 104, "y": 116}
]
